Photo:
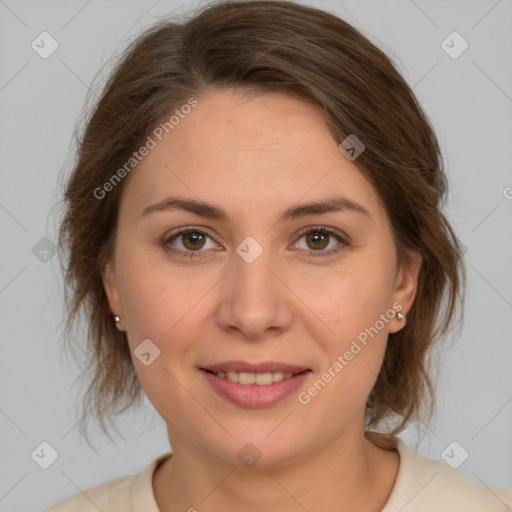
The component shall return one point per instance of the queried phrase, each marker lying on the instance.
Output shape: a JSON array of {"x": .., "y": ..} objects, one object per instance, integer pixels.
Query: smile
[
  {"x": 260, "y": 379},
  {"x": 254, "y": 385}
]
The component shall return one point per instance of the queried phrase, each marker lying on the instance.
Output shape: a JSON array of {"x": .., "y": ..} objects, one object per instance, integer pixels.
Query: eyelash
[{"x": 312, "y": 254}]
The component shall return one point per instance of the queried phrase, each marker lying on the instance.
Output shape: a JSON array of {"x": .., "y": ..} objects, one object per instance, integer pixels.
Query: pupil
[
  {"x": 192, "y": 238},
  {"x": 319, "y": 237}
]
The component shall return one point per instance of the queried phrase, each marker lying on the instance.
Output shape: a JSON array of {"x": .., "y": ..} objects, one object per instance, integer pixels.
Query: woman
[{"x": 254, "y": 230}]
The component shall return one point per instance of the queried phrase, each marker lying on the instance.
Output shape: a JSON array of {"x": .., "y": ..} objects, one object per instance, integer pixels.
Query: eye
[
  {"x": 320, "y": 237},
  {"x": 191, "y": 241}
]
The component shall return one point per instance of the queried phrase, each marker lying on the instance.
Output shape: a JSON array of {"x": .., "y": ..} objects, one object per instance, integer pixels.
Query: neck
[{"x": 347, "y": 474}]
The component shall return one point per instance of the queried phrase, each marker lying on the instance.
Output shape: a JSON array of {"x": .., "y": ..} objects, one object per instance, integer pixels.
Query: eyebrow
[{"x": 211, "y": 211}]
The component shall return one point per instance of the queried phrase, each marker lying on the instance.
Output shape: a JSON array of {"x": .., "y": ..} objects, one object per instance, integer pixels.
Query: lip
[
  {"x": 242, "y": 366},
  {"x": 253, "y": 396}
]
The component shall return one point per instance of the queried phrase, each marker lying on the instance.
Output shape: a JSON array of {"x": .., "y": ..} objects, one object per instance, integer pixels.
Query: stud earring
[
  {"x": 116, "y": 318},
  {"x": 400, "y": 316}
]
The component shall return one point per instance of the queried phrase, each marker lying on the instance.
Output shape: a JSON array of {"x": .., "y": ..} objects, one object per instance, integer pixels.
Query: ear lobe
[
  {"x": 406, "y": 283},
  {"x": 111, "y": 290}
]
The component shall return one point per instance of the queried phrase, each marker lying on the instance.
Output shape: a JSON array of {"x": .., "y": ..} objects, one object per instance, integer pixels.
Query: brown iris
[
  {"x": 318, "y": 237},
  {"x": 192, "y": 238}
]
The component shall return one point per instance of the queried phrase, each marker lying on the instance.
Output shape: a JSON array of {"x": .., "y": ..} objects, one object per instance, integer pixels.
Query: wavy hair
[{"x": 260, "y": 46}]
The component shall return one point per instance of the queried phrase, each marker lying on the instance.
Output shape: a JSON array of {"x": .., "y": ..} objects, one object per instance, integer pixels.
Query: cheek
[
  {"x": 355, "y": 303},
  {"x": 352, "y": 351},
  {"x": 351, "y": 299},
  {"x": 163, "y": 306},
  {"x": 158, "y": 299}
]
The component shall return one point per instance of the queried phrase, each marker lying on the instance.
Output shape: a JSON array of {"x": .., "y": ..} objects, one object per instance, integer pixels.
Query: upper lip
[{"x": 242, "y": 366}]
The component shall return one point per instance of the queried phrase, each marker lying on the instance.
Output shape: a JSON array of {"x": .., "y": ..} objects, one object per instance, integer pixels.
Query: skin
[{"x": 254, "y": 157}]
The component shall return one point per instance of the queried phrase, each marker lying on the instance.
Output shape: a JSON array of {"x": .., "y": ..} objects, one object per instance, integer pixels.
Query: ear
[
  {"x": 112, "y": 292},
  {"x": 406, "y": 285}
]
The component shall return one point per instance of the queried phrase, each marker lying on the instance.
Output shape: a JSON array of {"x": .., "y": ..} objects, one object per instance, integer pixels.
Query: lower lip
[{"x": 254, "y": 396}]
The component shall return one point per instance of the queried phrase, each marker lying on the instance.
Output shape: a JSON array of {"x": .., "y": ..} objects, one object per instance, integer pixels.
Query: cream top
[{"x": 422, "y": 485}]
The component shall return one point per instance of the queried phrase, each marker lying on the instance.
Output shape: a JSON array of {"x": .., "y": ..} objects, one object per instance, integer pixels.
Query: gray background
[{"x": 469, "y": 100}]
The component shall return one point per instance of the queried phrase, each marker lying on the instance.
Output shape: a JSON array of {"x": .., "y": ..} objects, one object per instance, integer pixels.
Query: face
[{"x": 268, "y": 287}]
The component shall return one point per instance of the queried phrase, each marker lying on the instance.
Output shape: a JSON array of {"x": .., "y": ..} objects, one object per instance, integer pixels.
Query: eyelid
[
  {"x": 319, "y": 227},
  {"x": 185, "y": 229},
  {"x": 343, "y": 240}
]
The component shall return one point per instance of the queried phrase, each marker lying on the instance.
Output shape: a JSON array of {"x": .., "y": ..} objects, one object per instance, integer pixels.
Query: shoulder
[
  {"x": 424, "y": 484},
  {"x": 125, "y": 494},
  {"x": 114, "y": 493}
]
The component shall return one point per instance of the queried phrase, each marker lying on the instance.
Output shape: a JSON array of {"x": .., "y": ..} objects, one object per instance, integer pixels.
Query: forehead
[
  {"x": 237, "y": 128},
  {"x": 235, "y": 148}
]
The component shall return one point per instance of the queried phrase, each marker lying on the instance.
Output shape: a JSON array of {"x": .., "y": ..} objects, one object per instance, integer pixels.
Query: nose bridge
[
  {"x": 254, "y": 299},
  {"x": 252, "y": 264}
]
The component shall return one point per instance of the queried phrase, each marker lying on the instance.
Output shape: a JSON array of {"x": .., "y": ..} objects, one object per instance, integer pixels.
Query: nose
[{"x": 255, "y": 302}]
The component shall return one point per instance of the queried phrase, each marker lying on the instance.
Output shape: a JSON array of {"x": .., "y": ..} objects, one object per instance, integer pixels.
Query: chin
[{"x": 256, "y": 447}]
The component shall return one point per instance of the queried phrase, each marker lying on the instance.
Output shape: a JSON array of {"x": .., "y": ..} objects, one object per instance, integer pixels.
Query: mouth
[
  {"x": 259, "y": 379},
  {"x": 254, "y": 385}
]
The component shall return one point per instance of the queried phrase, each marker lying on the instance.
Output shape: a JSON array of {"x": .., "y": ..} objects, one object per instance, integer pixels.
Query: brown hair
[{"x": 264, "y": 46}]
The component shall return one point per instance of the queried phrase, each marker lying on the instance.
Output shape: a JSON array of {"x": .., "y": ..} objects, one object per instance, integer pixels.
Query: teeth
[
  {"x": 246, "y": 378},
  {"x": 261, "y": 379},
  {"x": 232, "y": 376}
]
